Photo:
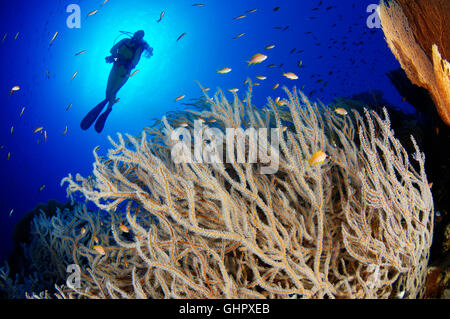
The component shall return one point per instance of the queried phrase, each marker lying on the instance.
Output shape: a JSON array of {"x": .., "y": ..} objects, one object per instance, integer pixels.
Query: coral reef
[
  {"x": 358, "y": 225},
  {"x": 415, "y": 33}
]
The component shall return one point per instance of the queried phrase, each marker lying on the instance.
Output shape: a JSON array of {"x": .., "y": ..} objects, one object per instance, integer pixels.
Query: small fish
[
  {"x": 252, "y": 10},
  {"x": 47, "y": 73},
  {"x": 12, "y": 130},
  {"x": 104, "y": 3},
  {"x": 74, "y": 75},
  {"x": 198, "y": 5},
  {"x": 134, "y": 73},
  {"x": 38, "y": 129},
  {"x": 65, "y": 131},
  {"x": 275, "y": 86},
  {"x": 53, "y": 39},
  {"x": 117, "y": 100},
  {"x": 276, "y": 8},
  {"x": 341, "y": 111},
  {"x": 15, "y": 88},
  {"x": 300, "y": 63},
  {"x": 161, "y": 16},
  {"x": 180, "y": 98},
  {"x": 270, "y": 46},
  {"x": 256, "y": 84},
  {"x": 262, "y": 78},
  {"x": 206, "y": 89},
  {"x": 184, "y": 124},
  {"x": 99, "y": 249},
  {"x": 9, "y": 156},
  {"x": 234, "y": 90},
  {"x": 430, "y": 184},
  {"x": 317, "y": 158},
  {"x": 224, "y": 70},
  {"x": 124, "y": 228},
  {"x": 242, "y": 16},
  {"x": 257, "y": 58},
  {"x": 182, "y": 35},
  {"x": 68, "y": 108},
  {"x": 81, "y": 52},
  {"x": 21, "y": 112},
  {"x": 17, "y": 34},
  {"x": 92, "y": 13},
  {"x": 95, "y": 239},
  {"x": 11, "y": 212},
  {"x": 239, "y": 35},
  {"x": 290, "y": 76},
  {"x": 45, "y": 136},
  {"x": 4, "y": 37},
  {"x": 41, "y": 188},
  {"x": 82, "y": 230}
]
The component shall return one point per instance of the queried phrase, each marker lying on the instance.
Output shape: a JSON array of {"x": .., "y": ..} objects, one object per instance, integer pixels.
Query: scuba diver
[{"x": 125, "y": 55}]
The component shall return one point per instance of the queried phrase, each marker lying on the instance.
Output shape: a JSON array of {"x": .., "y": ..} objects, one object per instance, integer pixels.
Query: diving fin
[
  {"x": 100, "y": 124},
  {"x": 90, "y": 118}
]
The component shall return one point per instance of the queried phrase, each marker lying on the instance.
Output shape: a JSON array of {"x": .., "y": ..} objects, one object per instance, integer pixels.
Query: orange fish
[
  {"x": 99, "y": 249},
  {"x": 317, "y": 158},
  {"x": 257, "y": 58},
  {"x": 180, "y": 97}
]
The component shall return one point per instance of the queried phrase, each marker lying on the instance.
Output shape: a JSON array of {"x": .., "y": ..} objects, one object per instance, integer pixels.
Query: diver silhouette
[{"x": 125, "y": 55}]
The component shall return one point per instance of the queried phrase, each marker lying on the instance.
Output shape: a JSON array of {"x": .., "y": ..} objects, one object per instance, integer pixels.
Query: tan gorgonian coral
[
  {"x": 357, "y": 226},
  {"x": 409, "y": 26}
]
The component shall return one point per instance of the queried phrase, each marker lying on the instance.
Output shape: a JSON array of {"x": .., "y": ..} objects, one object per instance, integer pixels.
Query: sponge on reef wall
[{"x": 415, "y": 32}]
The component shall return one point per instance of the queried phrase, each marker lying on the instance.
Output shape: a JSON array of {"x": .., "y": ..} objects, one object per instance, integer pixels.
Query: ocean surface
[{"x": 334, "y": 47}]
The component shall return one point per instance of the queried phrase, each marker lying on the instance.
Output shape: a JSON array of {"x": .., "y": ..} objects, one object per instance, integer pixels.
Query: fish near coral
[
  {"x": 99, "y": 249},
  {"x": 317, "y": 158}
]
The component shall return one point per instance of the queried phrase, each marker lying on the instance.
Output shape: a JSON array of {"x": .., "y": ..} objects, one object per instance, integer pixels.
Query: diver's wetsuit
[{"x": 125, "y": 55}]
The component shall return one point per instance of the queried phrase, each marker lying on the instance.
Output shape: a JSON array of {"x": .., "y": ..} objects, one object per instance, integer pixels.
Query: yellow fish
[
  {"x": 14, "y": 88},
  {"x": 240, "y": 17},
  {"x": 291, "y": 76},
  {"x": 82, "y": 231},
  {"x": 21, "y": 112},
  {"x": 99, "y": 249},
  {"x": 134, "y": 73},
  {"x": 74, "y": 75},
  {"x": 239, "y": 35},
  {"x": 38, "y": 129},
  {"x": 180, "y": 97},
  {"x": 257, "y": 58},
  {"x": 275, "y": 86},
  {"x": 81, "y": 52},
  {"x": 161, "y": 16},
  {"x": 53, "y": 39},
  {"x": 124, "y": 228},
  {"x": 224, "y": 70},
  {"x": 317, "y": 158},
  {"x": 341, "y": 111},
  {"x": 92, "y": 13},
  {"x": 65, "y": 130}
]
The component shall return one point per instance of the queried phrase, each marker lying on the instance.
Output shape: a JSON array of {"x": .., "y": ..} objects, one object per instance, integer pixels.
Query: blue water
[{"x": 357, "y": 62}]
